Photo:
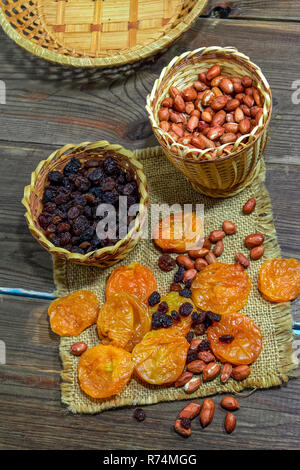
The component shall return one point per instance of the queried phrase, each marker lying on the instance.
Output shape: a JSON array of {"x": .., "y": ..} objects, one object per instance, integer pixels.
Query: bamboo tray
[{"x": 97, "y": 33}]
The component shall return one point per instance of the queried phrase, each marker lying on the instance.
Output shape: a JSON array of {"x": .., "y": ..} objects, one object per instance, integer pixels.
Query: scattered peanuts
[
  {"x": 230, "y": 423},
  {"x": 78, "y": 348},
  {"x": 249, "y": 206}
]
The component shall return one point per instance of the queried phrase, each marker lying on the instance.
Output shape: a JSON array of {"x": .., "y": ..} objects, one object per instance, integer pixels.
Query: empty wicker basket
[
  {"x": 97, "y": 33},
  {"x": 33, "y": 193},
  {"x": 226, "y": 175}
]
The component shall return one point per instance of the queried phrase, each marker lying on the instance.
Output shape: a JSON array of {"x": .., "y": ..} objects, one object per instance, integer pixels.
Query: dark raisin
[
  {"x": 109, "y": 166},
  {"x": 204, "y": 345},
  {"x": 161, "y": 320},
  {"x": 185, "y": 309},
  {"x": 174, "y": 287},
  {"x": 156, "y": 321},
  {"x": 44, "y": 219},
  {"x": 163, "y": 307},
  {"x": 63, "y": 196},
  {"x": 63, "y": 227},
  {"x": 110, "y": 197},
  {"x": 186, "y": 292},
  {"x": 55, "y": 177},
  {"x": 80, "y": 225},
  {"x": 198, "y": 317},
  {"x": 226, "y": 339},
  {"x": 185, "y": 423},
  {"x": 51, "y": 229},
  {"x": 189, "y": 336},
  {"x": 88, "y": 212},
  {"x": 178, "y": 276},
  {"x": 65, "y": 238},
  {"x": 195, "y": 317},
  {"x": 49, "y": 195},
  {"x": 56, "y": 219},
  {"x": 49, "y": 207},
  {"x": 207, "y": 322},
  {"x": 95, "y": 175},
  {"x": 166, "y": 263},
  {"x": 67, "y": 183},
  {"x": 129, "y": 188},
  {"x": 55, "y": 241},
  {"x": 154, "y": 299},
  {"x": 90, "y": 198},
  {"x": 73, "y": 213},
  {"x": 82, "y": 184},
  {"x": 72, "y": 167},
  {"x": 87, "y": 235},
  {"x": 192, "y": 355},
  {"x": 107, "y": 184},
  {"x": 199, "y": 330},
  {"x": 213, "y": 316},
  {"x": 188, "y": 283},
  {"x": 79, "y": 199},
  {"x": 175, "y": 315},
  {"x": 121, "y": 178},
  {"x": 78, "y": 250},
  {"x": 139, "y": 414},
  {"x": 96, "y": 191}
]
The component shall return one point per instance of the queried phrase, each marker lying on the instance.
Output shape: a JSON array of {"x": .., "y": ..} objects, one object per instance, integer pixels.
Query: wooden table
[{"x": 48, "y": 106}]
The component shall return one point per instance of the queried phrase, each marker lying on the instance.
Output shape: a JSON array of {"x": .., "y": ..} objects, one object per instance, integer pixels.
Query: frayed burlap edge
[{"x": 281, "y": 314}]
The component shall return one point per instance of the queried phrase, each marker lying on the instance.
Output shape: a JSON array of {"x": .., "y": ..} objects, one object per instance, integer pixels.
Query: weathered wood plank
[
  {"x": 53, "y": 105},
  {"x": 32, "y": 416}
]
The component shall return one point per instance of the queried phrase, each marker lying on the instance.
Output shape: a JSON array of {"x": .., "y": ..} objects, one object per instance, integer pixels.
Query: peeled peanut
[
  {"x": 192, "y": 123},
  {"x": 254, "y": 239},
  {"x": 218, "y": 102},
  {"x": 213, "y": 72},
  {"x": 257, "y": 252},
  {"x": 226, "y": 85},
  {"x": 216, "y": 235},
  {"x": 229, "y": 227},
  {"x": 249, "y": 206}
]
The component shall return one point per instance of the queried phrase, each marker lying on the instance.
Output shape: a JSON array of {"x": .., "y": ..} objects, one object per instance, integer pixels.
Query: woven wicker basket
[
  {"x": 56, "y": 161},
  {"x": 97, "y": 33},
  {"x": 229, "y": 174}
]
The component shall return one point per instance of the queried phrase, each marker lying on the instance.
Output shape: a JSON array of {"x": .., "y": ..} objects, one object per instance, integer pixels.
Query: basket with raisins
[{"x": 66, "y": 191}]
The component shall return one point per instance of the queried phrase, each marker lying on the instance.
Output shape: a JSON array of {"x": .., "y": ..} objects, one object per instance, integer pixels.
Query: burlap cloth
[{"x": 276, "y": 363}]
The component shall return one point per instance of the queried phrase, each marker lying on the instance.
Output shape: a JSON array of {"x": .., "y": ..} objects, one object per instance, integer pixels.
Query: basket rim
[
  {"x": 233, "y": 51},
  {"x": 92, "y": 256},
  {"x": 143, "y": 52}
]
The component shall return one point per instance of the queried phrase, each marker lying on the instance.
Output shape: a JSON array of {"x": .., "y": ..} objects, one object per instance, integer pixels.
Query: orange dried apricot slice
[
  {"x": 246, "y": 344},
  {"x": 178, "y": 232},
  {"x": 160, "y": 357},
  {"x": 72, "y": 314},
  {"x": 123, "y": 321},
  {"x": 174, "y": 301},
  {"x": 135, "y": 279},
  {"x": 279, "y": 279},
  {"x": 221, "y": 288},
  {"x": 104, "y": 371}
]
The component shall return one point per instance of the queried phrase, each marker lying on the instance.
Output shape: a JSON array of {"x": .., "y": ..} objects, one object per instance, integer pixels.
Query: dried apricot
[
  {"x": 123, "y": 321},
  {"x": 221, "y": 288},
  {"x": 174, "y": 302},
  {"x": 160, "y": 357},
  {"x": 246, "y": 344},
  {"x": 178, "y": 232},
  {"x": 104, "y": 371},
  {"x": 279, "y": 279},
  {"x": 72, "y": 314},
  {"x": 135, "y": 279}
]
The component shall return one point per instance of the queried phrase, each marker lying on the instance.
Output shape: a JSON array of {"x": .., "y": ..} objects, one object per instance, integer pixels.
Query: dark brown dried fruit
[
  {"x": 226, "y": 339},
  {"x": 139, "y": 414},
  {"x": 166, "y": 263}
]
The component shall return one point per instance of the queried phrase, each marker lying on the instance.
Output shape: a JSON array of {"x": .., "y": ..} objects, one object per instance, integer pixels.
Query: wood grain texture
[{"x": 32, "y": 416}]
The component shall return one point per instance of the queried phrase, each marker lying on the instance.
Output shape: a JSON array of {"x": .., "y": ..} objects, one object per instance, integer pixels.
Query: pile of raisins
[{"x": 71, "y": 199}]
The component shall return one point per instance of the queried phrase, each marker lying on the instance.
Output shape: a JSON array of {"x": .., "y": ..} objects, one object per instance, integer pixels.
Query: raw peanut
[
  {"x": 231, "y": 127},
  {"x": 249, "y": 91},
  {"x": 229, "y": 117},
  {"x": 167, "y": 102},
  {"x": 258, "y": 115},
  {"x": 237, "y": 85},
  {"x": 216, "y": 91},
  {"x": 202, "y": 126},
  {"x": 207, "y": 97},
  {"x": 173, "y": 135},
  {"x": 257, "y": 252},
  {"x": 216, "y": 81},
  {"x": 211, "y": 371},
  {"x": 216, "y": 235},
  {"x": 163, "y": 114},
  {"x": 200, "y": 86},
  {"x": 196, "y": 367},
  {"x": 202, "y": 78},
  {"x": 240, "y": 97},
  {"x": 210, "y": 258},
  {"x": 240, "y": 372},
  {"x": 185, "y": 261},
  {"x": 206, "y": 116},
  {"x": 198, "y": 253},
  {"x": 238, "y": 115},
  {"x": 230, "y": 403},
  {"x": 245, "y": 110},
  {"x": 244, "y": 126},
  {"x": 192, "y": 385},
  {"x": 226, "y": 372},
  {"x": 185, "y": 140},
  {"x": 78, "y": 348},
  {"x": 189, "y": 94},
  {"x": 206, "y": 243},
  {"x": 246, "y": 81},
  {"x": 256, "y": 96},
  {"x": 176, "y": 117},
  {"x": 240, "y": 258},
  {"x": 229, "y": 227},
  {"x": 189, "y": 107},
  {"x": 190, "y": 411},
  {"x": 200, "y": 264},
  {"x": 218, "y": 248},
  {"x": 228, "y": 138},
  {"x": 202, "y": 142},
  {"x": 184, "y": 378},
  {"x": 181, "y": 430},
  {"x": 195, "y": 343},
  {"x": 215, "y": 132},
  {"x": 174, "y": 91},
  {"x": 219, "y": 118},
  {"x": 226, "y": 85},
  {"x": 248, "y": 101},
  {"x": 249, "y": 206},
  {"x": 165, "y": 125},
  {"x": 218, "y": 102},
  {"x": 196, "y": 112},
  {"x": 179, "y": 104},
  {"x": 230, "y": 422},
  {"x": 254, "y": 110},
  {"x": 189, "y": 275},
  {"x": 213, "y": 72},
  {"x": 206, "y": 356},
  {"x": 177, "y": 129},
  {"x": 254, "y": 239},
  {"x": 207, "y": 412}
]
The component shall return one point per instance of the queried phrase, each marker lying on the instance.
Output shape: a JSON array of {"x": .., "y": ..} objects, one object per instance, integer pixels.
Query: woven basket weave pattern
[
  {"x": 97, "y": 33},
  {"x": 227, "y": 175},
  {"x": 33, "y": 195}
]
